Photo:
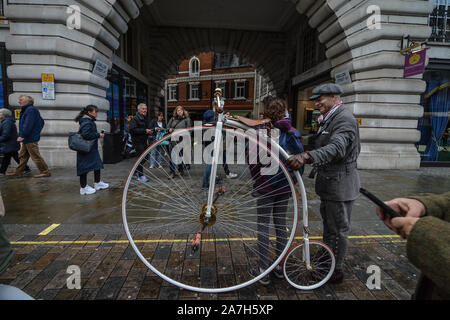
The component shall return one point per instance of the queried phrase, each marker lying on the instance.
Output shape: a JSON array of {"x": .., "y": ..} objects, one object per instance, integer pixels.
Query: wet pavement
[{"x": 87, "y": 231}]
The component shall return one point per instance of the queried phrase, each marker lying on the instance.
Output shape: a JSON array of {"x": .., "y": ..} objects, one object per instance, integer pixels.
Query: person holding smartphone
[{"x": 425, "y": 223}]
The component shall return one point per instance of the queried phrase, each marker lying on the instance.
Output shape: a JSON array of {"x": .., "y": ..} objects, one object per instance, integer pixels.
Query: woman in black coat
[
  {"x": 8, "y": 140},
  {"x": 91, "y": 161}
]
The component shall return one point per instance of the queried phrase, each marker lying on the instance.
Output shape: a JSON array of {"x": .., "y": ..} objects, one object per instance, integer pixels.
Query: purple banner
[{"x": 415, "y": 63}]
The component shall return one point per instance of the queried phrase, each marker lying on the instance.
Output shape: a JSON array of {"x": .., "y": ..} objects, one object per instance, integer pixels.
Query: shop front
[
  {"x": 434, "y": 145},
  {"x": 124, "y": 94}
]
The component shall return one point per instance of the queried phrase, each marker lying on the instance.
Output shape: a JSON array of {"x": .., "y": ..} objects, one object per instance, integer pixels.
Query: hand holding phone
[{"x": 386, "y": 209}]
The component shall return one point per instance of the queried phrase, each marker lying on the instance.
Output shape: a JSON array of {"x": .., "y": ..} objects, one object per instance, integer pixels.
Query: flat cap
[{"x": 327, "y": 88}]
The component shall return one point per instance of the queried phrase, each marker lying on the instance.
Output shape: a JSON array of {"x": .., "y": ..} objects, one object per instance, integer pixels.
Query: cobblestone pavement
[{"x": 87, "y": 232}]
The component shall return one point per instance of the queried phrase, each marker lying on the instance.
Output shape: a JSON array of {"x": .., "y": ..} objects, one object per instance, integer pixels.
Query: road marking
[
  {"x": 49, "y": 229},
  {"x": 62, "y": 242}
]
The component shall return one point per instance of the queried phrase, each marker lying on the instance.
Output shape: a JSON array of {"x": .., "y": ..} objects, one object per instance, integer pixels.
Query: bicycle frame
[{"x": 224, "y": 121}]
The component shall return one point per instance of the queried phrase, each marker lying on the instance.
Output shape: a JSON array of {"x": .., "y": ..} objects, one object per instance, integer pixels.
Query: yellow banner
[{"x": 359, "y": 121}]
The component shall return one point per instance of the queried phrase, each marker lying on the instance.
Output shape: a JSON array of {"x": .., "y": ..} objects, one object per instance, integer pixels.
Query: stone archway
[{"x": 387, "y": 104}]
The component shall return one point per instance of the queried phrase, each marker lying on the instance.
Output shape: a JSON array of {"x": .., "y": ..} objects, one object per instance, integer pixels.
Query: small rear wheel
[{"x": 322, "y": 264}]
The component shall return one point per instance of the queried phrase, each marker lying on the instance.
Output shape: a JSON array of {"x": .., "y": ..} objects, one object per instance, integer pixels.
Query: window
[
  {"x": 194, "y": 67},
  {"x": 440, "y": 21},
  {"x": 309, "y": 51},
  {"x": 194, "y": 90},
  {"x": 240, "y": 89},
  {"x": 173, "y": 92},
  {"x": 130, "y": 87},
  {"x": 228, "y": 60}
]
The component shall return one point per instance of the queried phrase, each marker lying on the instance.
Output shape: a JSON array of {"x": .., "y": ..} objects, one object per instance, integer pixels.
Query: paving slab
[{"x": 90, "y": 234}]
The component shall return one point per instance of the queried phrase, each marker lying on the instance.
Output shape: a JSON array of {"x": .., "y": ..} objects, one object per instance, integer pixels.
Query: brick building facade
[{"x": 193, "y": 87}]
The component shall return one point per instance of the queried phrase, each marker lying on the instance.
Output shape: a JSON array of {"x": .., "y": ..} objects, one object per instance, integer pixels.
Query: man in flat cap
[{"x": 337, "y": 147}]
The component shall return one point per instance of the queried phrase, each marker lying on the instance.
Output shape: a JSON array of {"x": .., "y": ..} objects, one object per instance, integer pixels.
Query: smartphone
[{"x": 386, "y": 209}]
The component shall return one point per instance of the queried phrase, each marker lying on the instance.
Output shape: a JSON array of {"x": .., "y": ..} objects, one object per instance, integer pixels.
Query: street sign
[
  {"x": 343, "y": 77},
  {"x": 359, "y": 121},
  {"x": 100, "y": 69},
  {"x": 17, "y": 113},
  {"x": 48, "y": 86}
]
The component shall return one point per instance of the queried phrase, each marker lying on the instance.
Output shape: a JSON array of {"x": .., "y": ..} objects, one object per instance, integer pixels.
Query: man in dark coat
[
  {"x": 30, "y": 128},
  {"x": 139, "y": 134},
  {"x": 337, "y": 147}
]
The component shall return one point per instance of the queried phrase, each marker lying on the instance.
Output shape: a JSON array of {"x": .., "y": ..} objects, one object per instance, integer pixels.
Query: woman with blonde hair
[{"x": 180, "y": 120}]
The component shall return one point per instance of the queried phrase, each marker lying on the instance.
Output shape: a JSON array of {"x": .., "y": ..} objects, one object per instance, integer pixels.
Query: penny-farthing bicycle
[{"x": 205, "y": 228}]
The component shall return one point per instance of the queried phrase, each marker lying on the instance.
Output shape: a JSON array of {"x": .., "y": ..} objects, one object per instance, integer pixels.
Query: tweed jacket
[
  {"x": 337, "y": 147},
  {"x": 428, "y": 246}
]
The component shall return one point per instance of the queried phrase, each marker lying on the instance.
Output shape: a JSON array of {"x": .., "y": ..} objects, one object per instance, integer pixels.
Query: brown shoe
[
  {"x": 43, "y": 175},
  {"x": 13, "y": 174}
]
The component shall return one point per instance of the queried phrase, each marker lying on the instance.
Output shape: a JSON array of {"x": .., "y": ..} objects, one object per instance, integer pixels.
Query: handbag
[
  {"x": 78, "y": 143},
  {"x": 161, "y": 135}
]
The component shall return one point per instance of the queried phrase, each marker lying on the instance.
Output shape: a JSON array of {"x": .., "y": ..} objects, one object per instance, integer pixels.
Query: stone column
[
  {"x": 386, "y": 103},
  {"x": 41, "y": 41}
]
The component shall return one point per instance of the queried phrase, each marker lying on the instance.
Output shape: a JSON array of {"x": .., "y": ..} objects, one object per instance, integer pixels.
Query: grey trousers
[
  {"x": 336, "y": 227},
  {"x": 275, "y": 207}
]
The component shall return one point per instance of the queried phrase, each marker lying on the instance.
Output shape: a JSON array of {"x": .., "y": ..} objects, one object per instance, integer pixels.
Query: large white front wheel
[{"x": 165, "y": 222}]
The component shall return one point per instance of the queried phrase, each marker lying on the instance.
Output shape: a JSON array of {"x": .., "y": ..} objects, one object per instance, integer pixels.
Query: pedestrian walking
[
  {"x": 139, "y": 135},
  {"x": 425, "y": 224},
  {"x": 158, "y": 126},
  {"x": 180, "y": 120},
  {"x": 272, "y": 191},
  {"x": 337, "y": 147},
  {"x": 91, "y": 161},
  {"x": 8, "y": 141},
  {"x": 30, "y": 128}
]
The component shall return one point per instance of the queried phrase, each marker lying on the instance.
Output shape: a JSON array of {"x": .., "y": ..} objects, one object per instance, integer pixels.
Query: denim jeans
[{"x": 156, "y": 156}]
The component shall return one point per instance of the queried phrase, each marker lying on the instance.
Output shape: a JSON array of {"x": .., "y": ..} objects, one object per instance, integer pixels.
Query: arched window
[{"x": 194, "y": 67}]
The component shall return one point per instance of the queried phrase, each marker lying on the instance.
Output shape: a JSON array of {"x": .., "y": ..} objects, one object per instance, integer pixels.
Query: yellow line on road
[
  {"x": 184, "y": 240},
  {"x": 49, "y": 229}
]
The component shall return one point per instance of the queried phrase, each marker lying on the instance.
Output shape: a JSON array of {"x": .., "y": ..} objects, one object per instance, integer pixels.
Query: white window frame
[
  {"x": 444, "y": 17},
  {"x": 172, "y": 92},
  {"x": 194, "y": 86},
  {"x": 192, "y": 72},
  {"x": 239, "y": 85},
  {"x": 130, "y": 88}
]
